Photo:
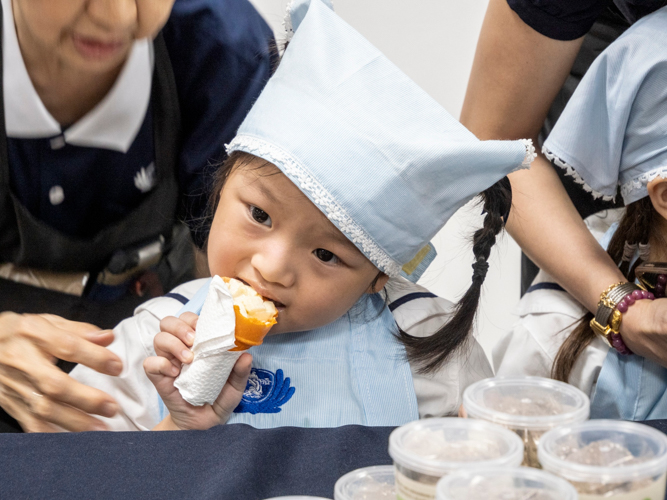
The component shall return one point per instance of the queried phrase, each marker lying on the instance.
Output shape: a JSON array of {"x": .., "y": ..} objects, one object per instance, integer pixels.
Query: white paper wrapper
[{"x": 201, "y": 381}]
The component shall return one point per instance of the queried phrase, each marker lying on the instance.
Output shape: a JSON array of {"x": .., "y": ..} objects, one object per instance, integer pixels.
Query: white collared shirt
[{"x": 112, "y": 124}]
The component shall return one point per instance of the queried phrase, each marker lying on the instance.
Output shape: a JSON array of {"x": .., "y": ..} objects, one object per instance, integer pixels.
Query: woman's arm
[{"x": 516, "y": 74}]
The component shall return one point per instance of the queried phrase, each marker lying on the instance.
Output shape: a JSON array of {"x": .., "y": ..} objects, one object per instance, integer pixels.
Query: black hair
[{"x": 432, "y": 352}]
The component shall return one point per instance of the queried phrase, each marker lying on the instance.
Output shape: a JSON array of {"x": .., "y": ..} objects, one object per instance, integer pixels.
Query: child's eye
[
  {"x": 326, "y": 255},
  {"x": 260, "y": 216}
]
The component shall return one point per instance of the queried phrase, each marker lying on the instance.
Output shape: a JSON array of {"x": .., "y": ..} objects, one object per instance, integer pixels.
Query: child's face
[{"x": 267, "y": 233}]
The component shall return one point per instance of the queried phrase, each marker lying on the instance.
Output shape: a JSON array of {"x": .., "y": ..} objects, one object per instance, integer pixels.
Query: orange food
[{"x": 254, "y": 315}]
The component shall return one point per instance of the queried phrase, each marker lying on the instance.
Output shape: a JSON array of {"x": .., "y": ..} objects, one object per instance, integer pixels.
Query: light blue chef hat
[
  {"x": 378, "y": 156},
  {"x": 613, "y": 131}
]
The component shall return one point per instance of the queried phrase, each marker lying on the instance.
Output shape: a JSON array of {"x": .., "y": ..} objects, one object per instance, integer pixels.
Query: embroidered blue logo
[{"x": 265, "y": 392}]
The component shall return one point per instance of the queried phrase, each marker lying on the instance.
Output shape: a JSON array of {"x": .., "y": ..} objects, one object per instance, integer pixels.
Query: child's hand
[{"x": 171, "y": 346}]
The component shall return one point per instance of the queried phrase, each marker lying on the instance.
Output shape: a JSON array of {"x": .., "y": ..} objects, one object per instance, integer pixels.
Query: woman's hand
[
  {"x": 172, "y": 349},
  {"x": 644, "y": 329},
  {"x": 37, "y": 393}
]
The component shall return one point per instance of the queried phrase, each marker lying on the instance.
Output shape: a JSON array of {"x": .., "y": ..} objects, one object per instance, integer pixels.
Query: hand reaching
[{"x": 34, "y": 391}]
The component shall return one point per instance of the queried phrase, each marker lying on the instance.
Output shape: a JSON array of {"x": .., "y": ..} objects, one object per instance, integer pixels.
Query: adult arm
[
  {"x": 37, "y": 393},
  {"x": 516, "y": 74}
]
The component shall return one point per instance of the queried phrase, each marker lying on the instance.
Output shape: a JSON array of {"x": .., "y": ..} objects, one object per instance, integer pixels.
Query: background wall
[{"x": 433, "y": 42}]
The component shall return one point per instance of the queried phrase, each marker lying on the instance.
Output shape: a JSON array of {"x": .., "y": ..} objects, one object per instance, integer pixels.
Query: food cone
[{"x": 249, "y": 331}]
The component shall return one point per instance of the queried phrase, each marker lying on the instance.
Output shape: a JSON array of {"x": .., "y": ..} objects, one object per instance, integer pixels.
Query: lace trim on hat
[
  {"x": 571, "y": 172},
  {"x": 639, "y": 183},
  {"x": 321, "y": 197},
  {"x": 530, "y": 153},
  {"x": 287, "y": 20}
]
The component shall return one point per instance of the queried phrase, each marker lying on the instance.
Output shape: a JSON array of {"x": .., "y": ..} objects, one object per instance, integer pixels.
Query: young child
[
  {"x": 340, "y": 175},
  {"x": 612, "y": 134}
]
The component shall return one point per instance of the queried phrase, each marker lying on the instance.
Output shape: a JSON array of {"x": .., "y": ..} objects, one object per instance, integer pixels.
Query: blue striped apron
[
  {"x": 630, "y": 388},
  {"x": 352, "y": 371}
]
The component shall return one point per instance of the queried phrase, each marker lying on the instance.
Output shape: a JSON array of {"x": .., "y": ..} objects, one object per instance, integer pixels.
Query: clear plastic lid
[
  {"x": 504, "y": 483},
  {"x": 369, "y": 483},
  {"x": 297, "y": 497},
  {"x": 604, "y": 451},
  {"x": 437, "y": 446},
  {"x": 533, "y": 403}
]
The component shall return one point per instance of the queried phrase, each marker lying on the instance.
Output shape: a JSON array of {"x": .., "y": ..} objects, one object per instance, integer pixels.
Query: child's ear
[
  {"x": 657, "y": 191},
  {"x": 378, "y": 284}
]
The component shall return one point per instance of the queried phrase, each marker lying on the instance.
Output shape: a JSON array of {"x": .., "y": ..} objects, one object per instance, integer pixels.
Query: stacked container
[
  {"x": 528, "y": 406},
  {"x": 521, "y": 483},
  {"x": 608, "y": 459},
  {"x": 369, "y": 483},
  {"x": 426, "y": 450}
]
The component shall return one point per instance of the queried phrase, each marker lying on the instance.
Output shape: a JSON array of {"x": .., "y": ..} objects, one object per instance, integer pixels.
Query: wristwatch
[{"x": 607, "y": 319}]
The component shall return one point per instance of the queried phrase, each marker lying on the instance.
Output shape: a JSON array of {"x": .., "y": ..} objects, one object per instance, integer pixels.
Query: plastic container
[
  {"x": 369, "y": 483},
  {"x": 297, "y": 497},
  {"x": 608, "y": 459},
  {"x": 529, "y": 406},
  {"x": 426, "y": 450},
  {"x": 504, "y": 483}
]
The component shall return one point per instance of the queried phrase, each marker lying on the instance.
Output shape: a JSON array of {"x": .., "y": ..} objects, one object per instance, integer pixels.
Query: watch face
[{"x": 653, "y": 275}]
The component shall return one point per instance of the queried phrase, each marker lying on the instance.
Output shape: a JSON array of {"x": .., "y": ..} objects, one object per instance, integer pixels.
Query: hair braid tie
[
  {"x": 480, "y": 268},
  {"x": 644, "y": 251},
  {"x": 629, "y": 250}
]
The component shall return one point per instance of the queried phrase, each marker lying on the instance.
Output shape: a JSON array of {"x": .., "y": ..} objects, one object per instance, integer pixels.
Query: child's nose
[{"x": 275, "y": 264}]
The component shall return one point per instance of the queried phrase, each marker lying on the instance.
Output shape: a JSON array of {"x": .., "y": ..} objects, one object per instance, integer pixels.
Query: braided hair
[
  {"x": 634, "y": 231},
  {"x": 434, "y": 351}
]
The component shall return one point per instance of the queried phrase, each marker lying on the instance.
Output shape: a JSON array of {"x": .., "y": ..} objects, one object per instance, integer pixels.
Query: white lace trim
[
  {"x": 530, "y": 153},
  {"x": 287, "y": 20},
  {"x": 640, "y": 183},
  {"x": 321, "y": 197},
  {"x": 571, "y": 172}
]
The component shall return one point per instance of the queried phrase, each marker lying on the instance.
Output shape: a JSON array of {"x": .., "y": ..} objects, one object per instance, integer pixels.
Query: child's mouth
[{"x": 279, "y": 305}]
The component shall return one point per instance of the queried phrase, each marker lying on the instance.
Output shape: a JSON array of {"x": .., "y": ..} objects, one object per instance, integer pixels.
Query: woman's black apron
[{"x": 28, "y": 242}]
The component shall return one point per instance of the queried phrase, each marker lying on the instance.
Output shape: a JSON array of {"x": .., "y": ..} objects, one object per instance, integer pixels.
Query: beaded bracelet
[
  {"x": 622, "y": 307},
  {"x": 661, "y": 283},
  {"x": 613, "y": 303}
]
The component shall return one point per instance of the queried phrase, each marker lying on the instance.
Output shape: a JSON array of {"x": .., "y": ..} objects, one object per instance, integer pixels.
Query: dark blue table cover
[{"x": 228, "y": 462}]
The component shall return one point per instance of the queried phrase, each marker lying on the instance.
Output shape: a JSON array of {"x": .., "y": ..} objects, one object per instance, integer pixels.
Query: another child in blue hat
[
  {"x": 336, "y": 182},
  {"x": 612, "y": 136}
]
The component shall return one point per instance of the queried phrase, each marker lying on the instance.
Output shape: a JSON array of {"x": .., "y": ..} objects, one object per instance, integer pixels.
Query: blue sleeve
[{"x": 222, "y": 53}]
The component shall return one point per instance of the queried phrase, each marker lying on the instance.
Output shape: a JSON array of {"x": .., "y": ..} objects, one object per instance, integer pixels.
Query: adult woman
[
  {"x": 110, "y": 110},
  {"x": 518, "y": 71}
]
